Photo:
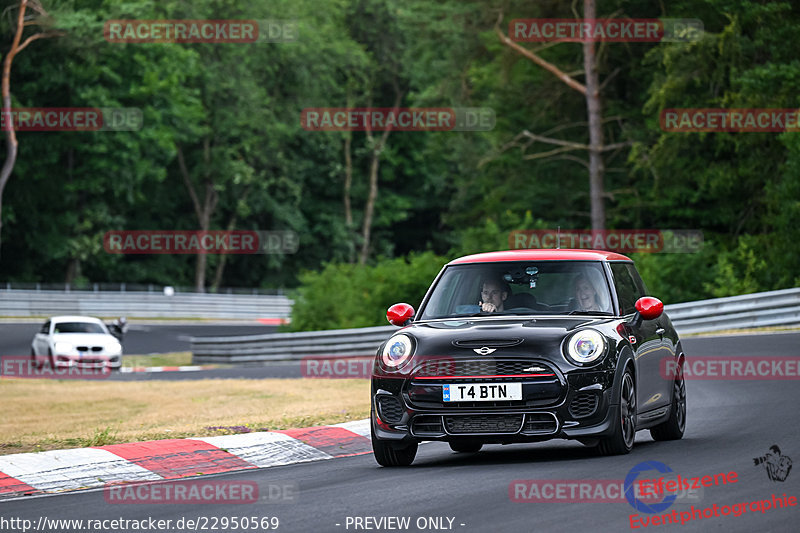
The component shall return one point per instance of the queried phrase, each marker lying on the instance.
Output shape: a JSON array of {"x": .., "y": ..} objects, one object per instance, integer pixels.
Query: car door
[
  {"x": 664, "y": 327},
  {"x": 651, "y": 392},
  {"x": 40, "y": 339}
]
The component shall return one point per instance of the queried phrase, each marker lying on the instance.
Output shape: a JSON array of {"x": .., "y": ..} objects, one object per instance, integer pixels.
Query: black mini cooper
[{"x": 524, "y": 346}]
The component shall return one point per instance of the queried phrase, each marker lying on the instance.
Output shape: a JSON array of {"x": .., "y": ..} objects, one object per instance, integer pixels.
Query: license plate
[{"x": 482, "y": 392}]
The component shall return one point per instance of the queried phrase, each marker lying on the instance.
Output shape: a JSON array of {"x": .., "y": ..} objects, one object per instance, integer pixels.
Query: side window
[
  {"x": 641, "y": 288},
  {"x": 45, "y": 328},
  {"x": 627, "y": 293}
]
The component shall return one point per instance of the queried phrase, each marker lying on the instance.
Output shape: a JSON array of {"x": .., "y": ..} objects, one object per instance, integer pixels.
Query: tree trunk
[
  {"x": 593, "y": 107},
  {"x": 369, "y": 209},
  {"x": 203, "y": 212},
  {"x": 231, "y": 226},
  {"x": 591, "y": 93},
  {"x": 348, "y": 183},
  {"x": 11, "y": 136}
]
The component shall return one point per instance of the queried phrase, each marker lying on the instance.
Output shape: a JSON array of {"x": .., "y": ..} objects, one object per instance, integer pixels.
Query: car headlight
[
  {"x": 397, "y": 351},
  {"x": 63, "y": 347},
  {"x": 586, "y": 346}
]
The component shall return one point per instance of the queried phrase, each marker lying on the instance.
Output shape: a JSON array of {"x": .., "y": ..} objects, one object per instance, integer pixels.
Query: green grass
[{"x": 158, "y": 359}]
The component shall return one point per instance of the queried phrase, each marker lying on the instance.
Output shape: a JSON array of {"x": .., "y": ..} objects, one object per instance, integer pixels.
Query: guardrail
[
  {"x": 15, "y": 303},
  {"x": 774, "y": 308},
  {"x": 761, "y": 309},
  {"x": 125, "y": 287},
  {"x": 283, "y": 346}
]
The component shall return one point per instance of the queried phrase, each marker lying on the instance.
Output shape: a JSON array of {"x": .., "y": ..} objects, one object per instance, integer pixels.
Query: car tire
[
  {"x": 34, "y": 363},
  {"x": 388, "y": 455},
  {"x": 621, "y": 441},
  {"x": 466, "y": 447},
  {"x": 674, "y": 426},
  {"x": 51, "y": 359}
]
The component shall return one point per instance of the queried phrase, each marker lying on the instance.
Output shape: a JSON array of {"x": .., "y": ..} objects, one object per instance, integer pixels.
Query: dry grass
[{"x": 46, "y": 414}]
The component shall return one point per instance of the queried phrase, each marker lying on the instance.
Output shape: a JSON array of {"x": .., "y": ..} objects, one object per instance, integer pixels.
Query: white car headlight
[
  {"x": 586, "y": 346},
  {"x": 63, "y": 347},
  {"x": 397, "y": 351}
]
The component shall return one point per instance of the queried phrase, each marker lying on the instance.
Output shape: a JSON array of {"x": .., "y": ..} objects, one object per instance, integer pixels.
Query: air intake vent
[
  {"x": 483, "y": 423},
  {"x": 390, "y": 409},
  {"x": 540, "y": 423},
  {"x": 583, "y": 404},
  {"x": 427, "y": 425}
]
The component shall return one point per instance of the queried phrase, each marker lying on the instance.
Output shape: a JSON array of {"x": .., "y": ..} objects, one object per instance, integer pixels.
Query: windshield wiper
[{"x": 592, "y": 313}]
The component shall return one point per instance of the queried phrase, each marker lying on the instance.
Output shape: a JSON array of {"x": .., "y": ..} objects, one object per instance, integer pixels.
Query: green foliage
[
  {"x": 675, "y": 278},
  {"x": 740, "y": 271},
  {"x": 344, "y": 295},
  {"x": 234, "y": 109}
]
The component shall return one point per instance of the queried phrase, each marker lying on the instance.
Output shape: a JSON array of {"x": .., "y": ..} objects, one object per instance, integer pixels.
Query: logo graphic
[
  {"x": 638, "y": 504},
  {"x": 778, "y": 466},
  {"x": 534, "y": 369},
  {"x": 484, "y": 351}
]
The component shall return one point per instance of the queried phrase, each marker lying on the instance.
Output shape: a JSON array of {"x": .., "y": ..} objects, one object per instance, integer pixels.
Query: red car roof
[{"x": 541, "y": 255}]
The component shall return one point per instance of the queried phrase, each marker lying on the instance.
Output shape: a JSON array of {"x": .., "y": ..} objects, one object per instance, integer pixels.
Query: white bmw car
[{"x": 80, "y": 341}]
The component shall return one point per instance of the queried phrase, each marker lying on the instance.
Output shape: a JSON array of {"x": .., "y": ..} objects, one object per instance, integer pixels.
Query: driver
[{"x": 493, "y": 295}]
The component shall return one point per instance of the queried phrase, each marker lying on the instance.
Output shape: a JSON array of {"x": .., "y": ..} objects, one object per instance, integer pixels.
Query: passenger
[
  {"x": 493, "y": 295},
  {"x": 586, "y": 295}
]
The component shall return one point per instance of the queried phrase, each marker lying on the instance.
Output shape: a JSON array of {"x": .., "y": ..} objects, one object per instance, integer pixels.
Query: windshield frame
[{"x": 607, "y": 280}]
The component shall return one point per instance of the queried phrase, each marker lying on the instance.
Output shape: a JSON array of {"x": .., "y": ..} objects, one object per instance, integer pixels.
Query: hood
[
  {"x": 85, "y": 339},
  {"x": 538, "y": 336}
]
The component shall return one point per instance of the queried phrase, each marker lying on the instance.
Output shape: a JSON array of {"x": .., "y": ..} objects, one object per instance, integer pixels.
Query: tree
[
  {"x": 17, "y": 46},
  {"x": 590, "y": 89}
]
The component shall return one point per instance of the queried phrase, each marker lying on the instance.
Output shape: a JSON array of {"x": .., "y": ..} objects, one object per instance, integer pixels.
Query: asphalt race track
[{"x": 729, "y": 424}]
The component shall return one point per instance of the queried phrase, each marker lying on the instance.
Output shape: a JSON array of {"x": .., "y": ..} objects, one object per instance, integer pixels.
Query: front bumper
[
  {"x": 576, "y": 406},
  {"x": 92, "y": 361}
]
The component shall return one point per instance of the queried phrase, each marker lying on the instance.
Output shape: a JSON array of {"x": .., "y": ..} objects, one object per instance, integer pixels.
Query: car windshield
[
  {"x": 520, "y": 288},
  {"x": 78, "y": 327}
]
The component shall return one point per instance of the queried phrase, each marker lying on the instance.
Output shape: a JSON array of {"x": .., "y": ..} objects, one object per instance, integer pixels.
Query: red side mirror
[
  {"x": 649, "y": 308},
  {"x": 399, "y": 314}
]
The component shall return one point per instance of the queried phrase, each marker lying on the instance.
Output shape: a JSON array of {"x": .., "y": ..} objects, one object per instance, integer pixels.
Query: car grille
[
  {"x": 92, "y": 348},
  {"x": 539, "y": 423},
  {"x": 583, "y": 404},
  {"x": 483, "y": 423},
  {"x": 390, "y": 409},
  {"x": 480, "y": 367}
]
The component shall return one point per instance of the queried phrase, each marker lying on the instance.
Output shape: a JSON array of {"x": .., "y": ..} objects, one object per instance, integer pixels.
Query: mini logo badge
[
  {"x": 484, "y": 350},
  {"x": 534, "y": 369}
]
